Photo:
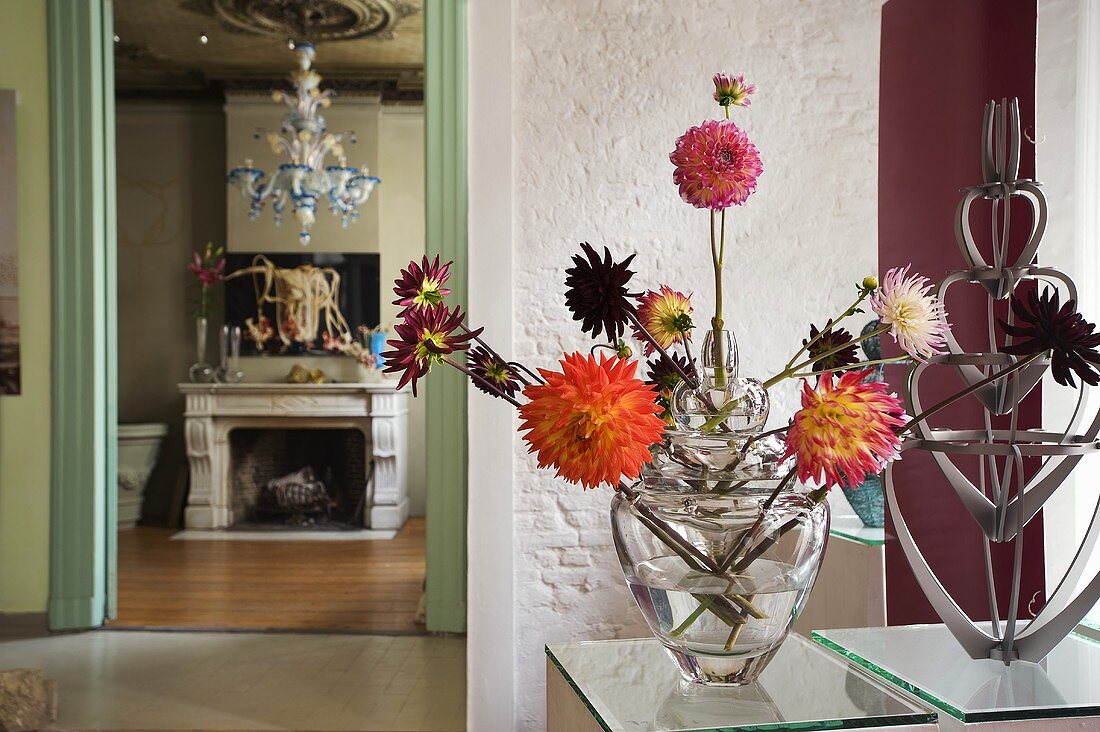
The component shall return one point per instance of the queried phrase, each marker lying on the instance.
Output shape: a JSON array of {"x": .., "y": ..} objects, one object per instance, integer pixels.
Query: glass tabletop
[
  {"x": 852, "y": 528},
  {"x": 632, "y": 686},
  {"x": 927, "y": 661}
]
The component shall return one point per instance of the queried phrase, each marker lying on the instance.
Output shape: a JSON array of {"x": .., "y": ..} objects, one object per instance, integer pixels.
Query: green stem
[
  {"x": 717, "y": 323},
  {"x": 853, "y": 367},
  {"x": 695, "y": 614},
  {"x": 850, "y": 310},
  {"x": 791, "y": 371}
]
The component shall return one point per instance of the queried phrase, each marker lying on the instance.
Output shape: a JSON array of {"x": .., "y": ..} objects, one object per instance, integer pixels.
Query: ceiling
[{"x": 368, "y": 44}]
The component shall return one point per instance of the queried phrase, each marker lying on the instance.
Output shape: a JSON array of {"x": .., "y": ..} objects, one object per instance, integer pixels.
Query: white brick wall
[{"x": 600, "y": 91}]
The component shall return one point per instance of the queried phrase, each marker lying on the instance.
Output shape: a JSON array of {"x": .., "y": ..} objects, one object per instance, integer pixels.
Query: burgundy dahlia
[
  {"x": 1043, "y": 325},
  {"x": 663, "y": 373},
  {"x": 425, "y": 338},
  {"x": 421, "y": 285},
  {"x": 494, "y": 370},
  {"x": 596, "y": 292},
  {"x": 831, "y": 339}
]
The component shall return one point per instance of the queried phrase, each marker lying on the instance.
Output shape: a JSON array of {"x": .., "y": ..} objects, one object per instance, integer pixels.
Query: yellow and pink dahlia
[
  {"x": 666, "y": 315},
  {"x": 730, "y": 90},
  {"x": 716, "y": 165},
  {"x": 914, "y": 314},
  {"x": 845, "y": 430},
  {"x": 593, "y": 421}
]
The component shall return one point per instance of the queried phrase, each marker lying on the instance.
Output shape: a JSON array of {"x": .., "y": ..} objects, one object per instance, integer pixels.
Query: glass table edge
[
  {"x": 968, "y": 717},
  {"x": 841, "y": 534},
  {"x": 576, "y": 689},
  {"x": 884, "y": 720}
]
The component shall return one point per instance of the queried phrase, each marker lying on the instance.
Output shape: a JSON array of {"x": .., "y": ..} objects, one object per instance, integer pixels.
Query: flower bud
[
  {"x": 732, "y": 90},
  {"x": 623, "y": 350},
  {"x": 870, "y": 282}
]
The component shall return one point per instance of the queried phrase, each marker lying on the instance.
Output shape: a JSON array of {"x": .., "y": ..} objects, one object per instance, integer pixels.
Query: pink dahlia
[
  {"x": 716, "y": 165},
  {"x": 845, "y": 430}
]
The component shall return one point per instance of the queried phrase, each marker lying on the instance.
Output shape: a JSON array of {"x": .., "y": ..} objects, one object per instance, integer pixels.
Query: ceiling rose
[{"x": 314, "y": 20}]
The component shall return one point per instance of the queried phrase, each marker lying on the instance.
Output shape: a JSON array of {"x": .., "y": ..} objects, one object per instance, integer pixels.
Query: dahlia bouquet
[{"x": 719, "y": 542}]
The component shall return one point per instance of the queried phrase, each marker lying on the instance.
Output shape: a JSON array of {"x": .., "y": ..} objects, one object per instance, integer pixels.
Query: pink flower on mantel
[
  {"x": 716, "y": 165},
  {"x": 209, "y": 274}
]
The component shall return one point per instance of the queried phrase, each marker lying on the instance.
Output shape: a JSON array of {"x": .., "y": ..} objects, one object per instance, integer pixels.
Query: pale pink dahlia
[
  {"x": 716, "y": 165},
  {"x": 914, "y": 314},
  {"x": 732, "y": 90}
]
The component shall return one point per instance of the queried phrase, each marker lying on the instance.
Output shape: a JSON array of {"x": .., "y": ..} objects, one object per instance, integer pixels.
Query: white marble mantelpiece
[{"x": 212, "y": 411}]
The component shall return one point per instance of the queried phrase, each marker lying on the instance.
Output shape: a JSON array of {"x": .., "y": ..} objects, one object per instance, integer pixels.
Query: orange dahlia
[
  {"x": 844, "y": 431},
  {"x": 593, "y": 421}
]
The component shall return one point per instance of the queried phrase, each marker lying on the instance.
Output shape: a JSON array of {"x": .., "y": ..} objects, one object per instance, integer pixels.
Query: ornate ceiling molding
[{"x": 313, "y": 20}]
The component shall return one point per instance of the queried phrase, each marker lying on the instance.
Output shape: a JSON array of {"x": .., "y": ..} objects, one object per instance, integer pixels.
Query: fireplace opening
[{"x": 315, "y": 479}]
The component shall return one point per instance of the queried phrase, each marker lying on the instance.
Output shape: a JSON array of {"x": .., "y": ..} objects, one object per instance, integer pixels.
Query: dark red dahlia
[
  {"x": 492, "y": 369},
  {"x": 425, "y": 338},
  {"x": 1043, "y": 325},
  {"x": 421, "y": 285},
  {"x": 596, "y": 292},
  {"x": 664, "y": 375},
  {"x": 831, "y": 339}
]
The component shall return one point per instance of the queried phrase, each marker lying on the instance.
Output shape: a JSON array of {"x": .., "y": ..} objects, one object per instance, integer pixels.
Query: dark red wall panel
[{"x": 941, "y": 61}]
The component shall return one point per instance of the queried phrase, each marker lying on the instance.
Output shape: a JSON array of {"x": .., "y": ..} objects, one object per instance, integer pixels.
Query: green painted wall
[{"x": 25, "y": 419}]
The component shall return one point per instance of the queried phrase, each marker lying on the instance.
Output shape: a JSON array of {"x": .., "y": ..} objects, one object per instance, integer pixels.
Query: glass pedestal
[
  {"x": 925, "y": 660},
  {"x": 633, "y": 685}
]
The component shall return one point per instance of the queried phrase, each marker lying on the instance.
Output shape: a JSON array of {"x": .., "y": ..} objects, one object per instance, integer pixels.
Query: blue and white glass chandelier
[{"x": 306, "y": 141}]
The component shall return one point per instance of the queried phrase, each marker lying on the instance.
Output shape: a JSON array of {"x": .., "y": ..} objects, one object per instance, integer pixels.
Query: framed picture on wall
[{"x": 9, "y": 250}]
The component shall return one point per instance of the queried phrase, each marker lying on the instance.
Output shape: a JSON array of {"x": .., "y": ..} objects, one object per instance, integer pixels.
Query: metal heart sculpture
[{"x": 1005, "y": 499}]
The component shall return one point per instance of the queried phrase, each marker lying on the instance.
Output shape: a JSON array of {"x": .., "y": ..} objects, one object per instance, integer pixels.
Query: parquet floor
[{"x": 262, "y": 585}]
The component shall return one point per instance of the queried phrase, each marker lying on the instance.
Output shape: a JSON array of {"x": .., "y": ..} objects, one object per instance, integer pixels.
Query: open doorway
[{"x": 284, "y": 488}]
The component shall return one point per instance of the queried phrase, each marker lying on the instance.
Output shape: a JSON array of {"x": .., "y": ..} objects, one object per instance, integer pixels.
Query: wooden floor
[{"x": 302, "y": 585}]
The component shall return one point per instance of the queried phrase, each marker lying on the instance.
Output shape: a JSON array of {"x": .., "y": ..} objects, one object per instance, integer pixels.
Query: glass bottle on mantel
[
  {"x": 200, "y": 372},
  {"x": 230, "y": 370}
]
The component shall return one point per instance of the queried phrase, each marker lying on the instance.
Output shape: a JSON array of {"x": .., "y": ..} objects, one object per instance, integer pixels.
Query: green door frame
[
  {"x": 83, "y": 558},
  {"x": 445, "y": 229},
  {"x": 83, "y": 390}
]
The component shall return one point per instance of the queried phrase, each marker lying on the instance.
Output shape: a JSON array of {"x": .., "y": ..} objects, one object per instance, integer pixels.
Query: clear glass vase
[
  {"x": 720, "y": 570},
  {"x": 229, "y": 372},
  {"x": 200, "y": 372},
  {"x": 713, "y": 420}
]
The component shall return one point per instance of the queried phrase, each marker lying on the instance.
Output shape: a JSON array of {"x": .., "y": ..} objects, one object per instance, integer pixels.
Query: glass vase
[
  {"x": 714, "y": 420},
  {"x": 229, "y": 372},
  {"x": 720, "y": 570},
  {"x": 200, "y": 372}
]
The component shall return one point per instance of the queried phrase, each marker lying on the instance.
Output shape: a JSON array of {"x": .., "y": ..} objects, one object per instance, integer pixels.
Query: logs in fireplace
[{"x": 300, "y": 478}]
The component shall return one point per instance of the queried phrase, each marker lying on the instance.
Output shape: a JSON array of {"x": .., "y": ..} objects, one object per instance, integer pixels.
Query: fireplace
[
  {"x": 240, "y": 437},
  {"x": 306, "y": 478}
]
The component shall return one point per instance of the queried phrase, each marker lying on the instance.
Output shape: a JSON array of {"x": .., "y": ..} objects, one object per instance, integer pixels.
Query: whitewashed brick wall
[{"x": 601, "y": 89}]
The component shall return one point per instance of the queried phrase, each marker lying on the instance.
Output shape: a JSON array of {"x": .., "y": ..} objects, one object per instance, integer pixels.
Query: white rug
[{"x": 230, "y": 535}]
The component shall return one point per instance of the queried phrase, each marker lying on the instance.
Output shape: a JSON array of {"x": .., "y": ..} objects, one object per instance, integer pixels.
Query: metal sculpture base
[{"x": 925, "y": 660}]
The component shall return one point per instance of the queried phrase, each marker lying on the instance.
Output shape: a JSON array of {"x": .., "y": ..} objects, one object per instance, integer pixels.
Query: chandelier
[{"x": 306, "y": 142}]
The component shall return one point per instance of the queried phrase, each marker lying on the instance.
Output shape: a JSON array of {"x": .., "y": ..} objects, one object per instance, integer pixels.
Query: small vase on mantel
[{"x": 200, "y": 372}]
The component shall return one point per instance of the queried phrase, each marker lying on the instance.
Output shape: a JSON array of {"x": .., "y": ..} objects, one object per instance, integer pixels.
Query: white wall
[
  {"x": 1067, "y": 104},
  {"x": 599, "y": 93}
]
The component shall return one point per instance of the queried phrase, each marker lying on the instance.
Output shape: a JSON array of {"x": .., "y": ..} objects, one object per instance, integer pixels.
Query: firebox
[{"x": 309, "y": 478}]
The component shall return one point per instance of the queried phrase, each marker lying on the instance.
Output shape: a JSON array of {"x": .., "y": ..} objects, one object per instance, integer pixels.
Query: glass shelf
[
  {"x": 632, "y": 685},
  {"x": 927, "y": 661},
  {"x": 852, "y": 528}
]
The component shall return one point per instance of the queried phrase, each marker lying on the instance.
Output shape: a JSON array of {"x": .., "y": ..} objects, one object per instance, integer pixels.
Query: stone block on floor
[{"x": 28, "y": 700}]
